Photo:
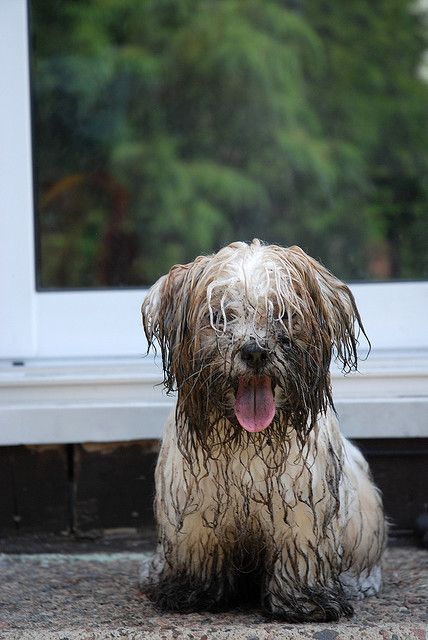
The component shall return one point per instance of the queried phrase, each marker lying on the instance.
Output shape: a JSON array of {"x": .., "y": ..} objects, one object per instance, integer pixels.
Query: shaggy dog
[{"x": 258, "y": 495}]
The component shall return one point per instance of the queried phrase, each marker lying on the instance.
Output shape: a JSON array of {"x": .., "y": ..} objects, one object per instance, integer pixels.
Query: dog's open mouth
[{"x": 255, "y": 403}]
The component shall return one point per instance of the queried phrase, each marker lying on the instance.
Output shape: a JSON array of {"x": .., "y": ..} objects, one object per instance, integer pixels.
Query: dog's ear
[
  {"x": 165, "y": 313},
  {"x": 343, "y": 318},
  {"x": 338, "y": 313},
  {"x": 161, "y": 318}
]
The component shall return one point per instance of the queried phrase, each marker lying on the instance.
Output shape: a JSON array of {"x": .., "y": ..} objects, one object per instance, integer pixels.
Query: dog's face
[{"x": 247, "y": 335}]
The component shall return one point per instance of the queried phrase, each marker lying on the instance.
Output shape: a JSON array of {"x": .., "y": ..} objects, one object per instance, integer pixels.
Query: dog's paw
[
  {"x": 184, "y": 595},
  {"x": 309, "y": 604},
  {"x": 150, "y": 571},
  {"x": 365, "y": 584}
]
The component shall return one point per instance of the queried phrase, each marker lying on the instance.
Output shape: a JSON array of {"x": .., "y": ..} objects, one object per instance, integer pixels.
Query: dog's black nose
[{"x": 254, "y": 355}]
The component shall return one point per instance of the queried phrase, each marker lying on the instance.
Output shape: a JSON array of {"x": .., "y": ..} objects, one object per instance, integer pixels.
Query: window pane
[{"x": 165, "y": 129}]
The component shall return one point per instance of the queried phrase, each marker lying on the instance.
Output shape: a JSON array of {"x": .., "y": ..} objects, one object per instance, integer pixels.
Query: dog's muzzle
[
  {"x": 254, "y": 400},
  {"x": 254, "y": 355}
]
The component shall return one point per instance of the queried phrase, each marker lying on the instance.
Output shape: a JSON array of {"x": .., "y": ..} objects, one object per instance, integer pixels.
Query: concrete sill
[{"x": 102, "y": 400}]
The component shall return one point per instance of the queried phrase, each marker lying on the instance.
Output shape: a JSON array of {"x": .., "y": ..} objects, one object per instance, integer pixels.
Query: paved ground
[{"x": 95, "y": 597}]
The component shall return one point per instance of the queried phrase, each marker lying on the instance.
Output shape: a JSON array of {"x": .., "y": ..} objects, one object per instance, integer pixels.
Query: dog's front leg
[
  {"x": 297, "y": 591},
  {"x": 189, "y": 572},
  {"x": 301, "y": 583}
]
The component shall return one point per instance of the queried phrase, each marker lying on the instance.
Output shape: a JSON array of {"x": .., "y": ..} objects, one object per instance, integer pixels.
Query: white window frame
[{"x": 83, "y": 376}]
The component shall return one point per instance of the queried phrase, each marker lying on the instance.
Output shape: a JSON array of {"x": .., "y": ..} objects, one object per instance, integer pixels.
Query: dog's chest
[
  {"x": 260, "y": 485},
  {"x": 253, "y": 479}
]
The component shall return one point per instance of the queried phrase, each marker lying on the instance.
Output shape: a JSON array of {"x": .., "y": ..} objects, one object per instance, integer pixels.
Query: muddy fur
[{"x": 287, "y": 517}]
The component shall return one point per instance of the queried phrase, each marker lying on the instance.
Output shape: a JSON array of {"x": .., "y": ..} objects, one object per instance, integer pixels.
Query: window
[
  {"x": 174, "y": 169},
  {"x": 163, "y": 130}
]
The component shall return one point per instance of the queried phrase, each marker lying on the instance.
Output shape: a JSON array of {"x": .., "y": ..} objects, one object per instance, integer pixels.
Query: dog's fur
[{"x": 287, "y": 514}]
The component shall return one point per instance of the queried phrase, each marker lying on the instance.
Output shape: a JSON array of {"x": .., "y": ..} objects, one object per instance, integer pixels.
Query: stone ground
[{"x": 95, "y": 596}]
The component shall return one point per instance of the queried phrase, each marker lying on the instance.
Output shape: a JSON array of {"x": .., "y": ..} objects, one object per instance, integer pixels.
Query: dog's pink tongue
[{"x": 254, "y": 403}]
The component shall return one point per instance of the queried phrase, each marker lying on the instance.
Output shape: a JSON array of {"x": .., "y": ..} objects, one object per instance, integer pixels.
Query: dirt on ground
[{"x": 96, "y": 597}]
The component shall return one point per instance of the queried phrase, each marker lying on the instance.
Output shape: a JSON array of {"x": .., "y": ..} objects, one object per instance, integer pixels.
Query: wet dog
[{"x": 258, "y": 495}]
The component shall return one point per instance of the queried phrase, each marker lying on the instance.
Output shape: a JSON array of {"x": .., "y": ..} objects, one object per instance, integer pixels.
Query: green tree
[{"x": 166, "y": 128}]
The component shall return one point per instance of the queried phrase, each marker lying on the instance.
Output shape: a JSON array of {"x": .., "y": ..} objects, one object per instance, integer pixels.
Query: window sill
[{"x": 102, "y": 400}]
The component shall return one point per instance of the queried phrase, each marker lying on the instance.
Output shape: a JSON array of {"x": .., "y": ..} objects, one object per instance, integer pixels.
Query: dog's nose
[{"x": 254, "y": 355}]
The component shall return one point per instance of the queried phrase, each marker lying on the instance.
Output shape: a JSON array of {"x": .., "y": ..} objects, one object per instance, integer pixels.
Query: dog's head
[{"x": 247, "y": 336}]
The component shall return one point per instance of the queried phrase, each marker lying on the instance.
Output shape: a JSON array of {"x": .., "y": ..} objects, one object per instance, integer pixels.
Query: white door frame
[{"x": 47, "y": 329}]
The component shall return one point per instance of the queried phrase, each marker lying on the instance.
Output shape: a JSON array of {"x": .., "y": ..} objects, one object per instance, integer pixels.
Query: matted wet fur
[{"x": 266, "y": 503}]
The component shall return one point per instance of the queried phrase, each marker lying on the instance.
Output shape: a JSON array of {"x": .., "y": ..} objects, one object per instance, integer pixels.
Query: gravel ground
[{"x": 95, "y": 596}]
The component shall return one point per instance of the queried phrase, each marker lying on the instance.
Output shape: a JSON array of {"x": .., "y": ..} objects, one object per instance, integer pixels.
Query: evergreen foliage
[{"x": 166, "y": 128}]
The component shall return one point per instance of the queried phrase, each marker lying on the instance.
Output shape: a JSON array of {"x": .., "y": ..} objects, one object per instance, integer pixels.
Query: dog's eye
[
  {"x": 219, "y": 317},
  {"x": 281, "y": 315},
  {"x": 285, "y": 341}
]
